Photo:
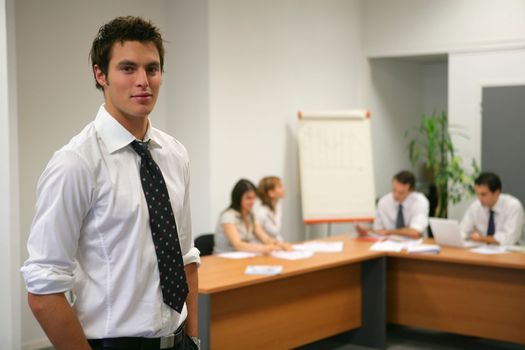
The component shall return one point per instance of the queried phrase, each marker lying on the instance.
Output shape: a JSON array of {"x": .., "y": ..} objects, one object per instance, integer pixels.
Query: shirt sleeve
[
  {"x": 419, "y": 220},
  {"x": 228, "y": 217},
  {"x": 510, "y": 231},
  {"x": 263, "y": 217},
  {"x": 467, "y": 224},
  {"x": 64, "y": 195},
  {"x": 379, "y": 220},
  {"x": 190, "y": 254}
]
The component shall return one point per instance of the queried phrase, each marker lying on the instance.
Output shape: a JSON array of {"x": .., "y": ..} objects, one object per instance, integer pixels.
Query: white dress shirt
[
  {"x": 415, "y": 212},
  {"x": 271, "y": 222},
  {"x": 508, "y": 218},
  {"x": 91, "y": 231}
]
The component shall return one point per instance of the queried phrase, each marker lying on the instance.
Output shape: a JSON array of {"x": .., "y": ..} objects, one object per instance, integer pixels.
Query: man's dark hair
[
  {"x": 491, "y": 180},
  {"x": 123, "y": 29},
  {"x": 406, "y": 178},
  {"x": 241, "y": 187}
]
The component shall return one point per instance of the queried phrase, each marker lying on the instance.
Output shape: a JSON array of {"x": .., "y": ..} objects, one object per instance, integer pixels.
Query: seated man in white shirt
[
  {"x": 494, "y": 217},
  {"x": 402, "y": 212}
]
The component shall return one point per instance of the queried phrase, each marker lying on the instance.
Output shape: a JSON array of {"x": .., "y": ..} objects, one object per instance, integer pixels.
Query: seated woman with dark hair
[{"x": 238, "y": 229}]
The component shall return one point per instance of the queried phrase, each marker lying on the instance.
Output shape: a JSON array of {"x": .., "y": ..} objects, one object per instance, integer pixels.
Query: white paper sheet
[
  {"x": 423, "y": 248},
  {"x": 515, "y": 249},
  {"x": 237, "y": 255},
  {"x": 292, "y": 255},
  {"x": 263, "y": 269},
  {"x": 489, "y": 249},
  {"x": 320, "y": 246}
]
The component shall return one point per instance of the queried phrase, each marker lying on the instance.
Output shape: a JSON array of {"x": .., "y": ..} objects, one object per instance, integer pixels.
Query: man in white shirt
[
  {"x": 494, "y": 217},
  {"x": 94, "y": 232},
  {"x": 402, "y": 212}
]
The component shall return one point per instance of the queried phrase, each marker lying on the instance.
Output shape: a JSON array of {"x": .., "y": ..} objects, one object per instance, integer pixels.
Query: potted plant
[{"x": 432, "y": 144}]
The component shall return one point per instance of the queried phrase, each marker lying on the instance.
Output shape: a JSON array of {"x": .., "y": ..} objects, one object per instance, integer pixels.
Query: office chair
[{"x": 204, "y": 243}]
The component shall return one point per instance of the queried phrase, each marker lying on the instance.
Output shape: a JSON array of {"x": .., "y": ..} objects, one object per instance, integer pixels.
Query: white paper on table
[
  {"x": 292, "y": 255},
  {"x": 515, "y": 248},
  {"x": 411, "y": 243},
  {"x": 423, "y": 248},
  {"x": 263, "y": 269},
  {"x": 489, "y": 249},
  {"x": 387, "y": 246},
  {"x": 237, "y": 255},
  {"x": 320, "y": 246}
]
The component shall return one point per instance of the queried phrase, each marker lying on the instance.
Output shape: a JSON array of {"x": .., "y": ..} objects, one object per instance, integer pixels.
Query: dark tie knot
[{"x": 141, "y": 148}]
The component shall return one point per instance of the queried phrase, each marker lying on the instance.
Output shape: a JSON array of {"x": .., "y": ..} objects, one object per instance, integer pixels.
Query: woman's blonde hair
[{"x": 267, "y": 184}]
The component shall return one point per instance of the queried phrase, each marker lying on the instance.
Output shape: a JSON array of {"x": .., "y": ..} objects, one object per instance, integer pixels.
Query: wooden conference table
[{"x": 357, "y": 292}]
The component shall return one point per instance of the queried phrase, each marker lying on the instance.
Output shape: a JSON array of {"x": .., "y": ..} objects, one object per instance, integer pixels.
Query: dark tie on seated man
[
  {"x": 401, "y": 212},
  {"x": 112, "y": 225},
  {"x": 494, "y": 217}
]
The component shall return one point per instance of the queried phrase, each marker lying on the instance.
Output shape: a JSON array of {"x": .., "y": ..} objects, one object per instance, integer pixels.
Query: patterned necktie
[
  {"x": 400, "y": 220},
  {"x": 163, "y": 230},
  {"x": 491, "y": 229}
]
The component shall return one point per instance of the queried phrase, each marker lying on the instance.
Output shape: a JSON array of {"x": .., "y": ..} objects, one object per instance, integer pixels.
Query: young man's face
[
  {"x": 133, "y": 80},
  {"x": 400, "y": 191},
  {"x": 487, "y": 198}
]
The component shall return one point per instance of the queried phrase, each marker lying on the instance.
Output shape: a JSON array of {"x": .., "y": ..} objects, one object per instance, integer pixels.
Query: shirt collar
[
  {"x": 407, "y": 199},
  {"x": 498, "y": 206},
  {"x": 115, "y": 136}
]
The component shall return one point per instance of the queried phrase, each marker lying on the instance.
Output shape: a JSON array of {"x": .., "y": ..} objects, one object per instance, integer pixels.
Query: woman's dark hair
[
  {"x": 241, "y": 187},
  {"x": 123, "y": 29}
]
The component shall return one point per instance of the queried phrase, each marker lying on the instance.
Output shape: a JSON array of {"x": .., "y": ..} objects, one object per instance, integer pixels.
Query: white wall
[
  {"x": 187, "y": 101},
  {"x": 395, "y": 97},
  {"x": 269, "y": 59},
  {"x": 399, "y": 91},
  {"x": 435, "y": 87},
  {"x": 408, "y": 27},
  {"x": 10, "y": 324},
  {"x": 468, "y": 74}
]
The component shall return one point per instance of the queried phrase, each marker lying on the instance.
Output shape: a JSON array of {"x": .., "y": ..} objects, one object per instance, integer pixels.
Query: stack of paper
[
  {"x": 423, "y": 248},
  {"x": 292, "y": 255},
  {"x": 489, "y": 249}
]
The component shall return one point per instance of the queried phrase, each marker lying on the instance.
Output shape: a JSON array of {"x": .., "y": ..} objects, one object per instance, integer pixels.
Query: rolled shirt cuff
[
  {"x": 41, "y": 279},
  {"x": 192, "y": 256}
]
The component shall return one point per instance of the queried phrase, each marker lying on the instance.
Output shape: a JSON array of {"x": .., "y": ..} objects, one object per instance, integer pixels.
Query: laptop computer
[{"x": 447, "y": 232}]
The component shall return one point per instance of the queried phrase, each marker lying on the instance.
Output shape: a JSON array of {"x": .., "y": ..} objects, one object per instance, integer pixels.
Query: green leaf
[{"x": 431, "y": 142}]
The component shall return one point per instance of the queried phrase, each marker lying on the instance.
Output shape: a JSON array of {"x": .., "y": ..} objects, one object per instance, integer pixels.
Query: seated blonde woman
[
  {"x": 269, "y": 212},
  {"x": 238, "y": 229}
]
